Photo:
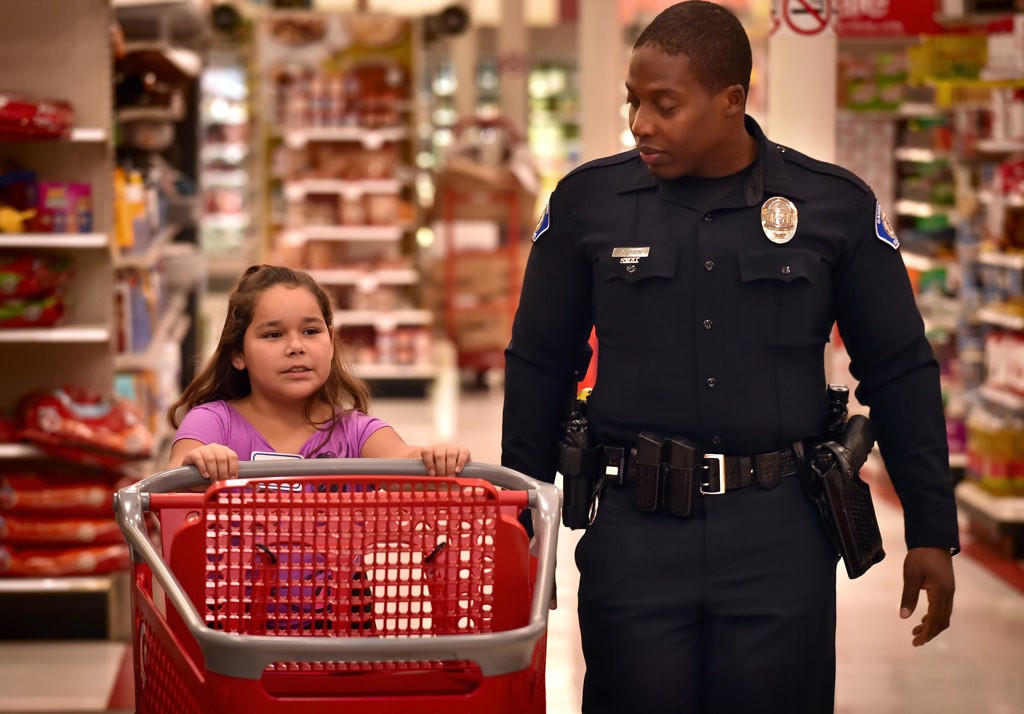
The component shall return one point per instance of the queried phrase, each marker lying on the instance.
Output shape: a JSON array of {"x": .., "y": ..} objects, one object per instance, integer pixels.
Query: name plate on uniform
[{"x": 631, "y": 252}]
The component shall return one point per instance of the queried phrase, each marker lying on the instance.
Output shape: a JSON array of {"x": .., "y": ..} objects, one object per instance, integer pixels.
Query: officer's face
[{"x": 679, "y": 128}]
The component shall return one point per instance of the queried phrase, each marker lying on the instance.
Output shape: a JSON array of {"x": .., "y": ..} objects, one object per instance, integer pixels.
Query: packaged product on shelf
[
  {"x": 31, "y": 312},
  {"x": 82, "y": 425},
  {"x": 64, "y": 207},
  {"x": 50, "y": 493},
  {"x": 23, "y": 530},
  {"x": 61, "y": 562},
  {"x": 27, "y": 275},
  {"x": 24, "y": 117}
]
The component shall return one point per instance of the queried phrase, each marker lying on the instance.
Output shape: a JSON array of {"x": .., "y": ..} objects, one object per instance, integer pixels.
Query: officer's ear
[{"x": 734, "y": 99}]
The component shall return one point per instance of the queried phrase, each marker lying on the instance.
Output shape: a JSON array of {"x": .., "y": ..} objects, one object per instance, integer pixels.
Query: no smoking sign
[{"x": 804, "y": 18}]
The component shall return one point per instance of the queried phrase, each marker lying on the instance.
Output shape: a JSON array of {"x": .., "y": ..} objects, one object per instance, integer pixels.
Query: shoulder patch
[
  {"x": 822, "y": 167},
  {"x": 884, "y": 229},
  {"x": 544, "y": 223}
]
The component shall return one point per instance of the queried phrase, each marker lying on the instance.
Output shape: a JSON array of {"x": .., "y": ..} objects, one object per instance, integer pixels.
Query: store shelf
[
  {"x": 1012, "y": 200},
  {"x": 171, "y": 328},
  {"x": 19, "y": 451},
  {"x": 53, "y": 240},
  {"x": 394, "y": 371},
  {"x": 76, "y": 584},
  {"x": 397, "y": 276},
  {"x": 352, "y": 233},
  {"x": 958, "y": 461},
  {"x": 56, "y": 335},
  {"x": 238, "y": 178},
  {"x": 1004, "y": 509},
  {"x": 1002, "y": 397},
  {"x": 921, "y": 209},
  {"x": 88, "y": 135},
  {"x": 226, "y": 221},
  {"x": 369, "y": 138},
  {"x": 298, "y": 190},
  {"x": 991, "y": 316},
  {"x": 230, "y": 152},
  {"x": 151, "y": 256},
  {"x": 1002, "y": 260},
  {"x": 922, "y": 263},
  {"x": 382, "y": 319},
  {"x": 923, "y": 156},
  {"x": 999, "y": 146},
  {"x": 156, "y": 114}
]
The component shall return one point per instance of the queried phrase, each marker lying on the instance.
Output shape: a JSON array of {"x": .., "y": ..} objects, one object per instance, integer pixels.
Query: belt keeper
[{"x": 613, "y": 464}]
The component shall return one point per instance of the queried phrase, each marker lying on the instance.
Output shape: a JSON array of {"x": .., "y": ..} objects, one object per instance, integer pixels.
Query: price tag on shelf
[
  {"x": 367, "y": 283},
  {"x": 386, "y": 322}
]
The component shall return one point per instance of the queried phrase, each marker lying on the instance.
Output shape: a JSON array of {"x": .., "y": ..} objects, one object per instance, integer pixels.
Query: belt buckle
[{"x": 720, "y": 458}]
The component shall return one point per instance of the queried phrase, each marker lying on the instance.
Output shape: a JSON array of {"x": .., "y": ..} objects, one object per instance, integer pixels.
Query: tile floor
[{"x": 974, "y": 668}]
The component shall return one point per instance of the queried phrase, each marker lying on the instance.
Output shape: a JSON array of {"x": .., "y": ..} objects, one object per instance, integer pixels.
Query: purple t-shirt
[{"x": 219, "y": 423}]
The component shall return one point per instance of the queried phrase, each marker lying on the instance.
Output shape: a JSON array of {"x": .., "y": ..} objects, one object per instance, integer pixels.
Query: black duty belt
[{"x": 765, "y": 470}]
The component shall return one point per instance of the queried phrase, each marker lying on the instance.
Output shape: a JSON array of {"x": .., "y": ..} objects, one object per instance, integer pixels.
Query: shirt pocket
[
  {"x": 636, "y": 304},
  {"x": 785, "y": 298}
]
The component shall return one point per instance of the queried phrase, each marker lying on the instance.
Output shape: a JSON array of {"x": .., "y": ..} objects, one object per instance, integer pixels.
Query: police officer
[{"x": 713, "y": 263}]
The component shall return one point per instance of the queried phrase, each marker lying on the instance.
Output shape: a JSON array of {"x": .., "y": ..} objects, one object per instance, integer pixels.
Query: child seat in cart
[{"x": 341, "y": 584}]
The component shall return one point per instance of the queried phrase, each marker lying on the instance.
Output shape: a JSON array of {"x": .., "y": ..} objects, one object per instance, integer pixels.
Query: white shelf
[
  {"x": 1002, "y": 260},
  {"x": 958, "y": 461},
  {"x": 130, "y": 114},
  {"x": 172, "y": 324},
  {"x": 152, "y": 255},
  {"x": 394, "y": 371},
  {"x": 921, "y": 209},
  {"x": 230, "y": 151},
  {"x": 74, "y": 584},
  {"x": 370, "y": 138},
  {"x": 922, "y": 156},
  {"x": 1000, "y": 319},
  {"x": 1012, "y": 200},
  {"x": 353, "y": 233},
  {"x": 387, "y": 276},
  {"x": 19, "y": 451},
  {"x": 382, "y": 319},
  {"x": 56, "y": 335},
  {"x": 53, "y": 240},
  {"x": 232, "y": 178},
  {"x": 922, "y": 263},
  {"x": 1005, "y": 509},
  {"x": 999, "y": 146},
  {"x": 1002, "y": 397},
  {"x": 225, "y": 221},
  {"x": 88, "y": 135},
  {"x": 298, "y": 190}
]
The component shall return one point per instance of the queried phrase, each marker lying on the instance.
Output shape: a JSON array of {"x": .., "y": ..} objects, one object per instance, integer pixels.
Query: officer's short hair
[{"x": 710, "y": 36}]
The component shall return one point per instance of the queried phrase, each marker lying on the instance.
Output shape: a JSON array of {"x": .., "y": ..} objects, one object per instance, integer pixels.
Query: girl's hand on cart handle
[
  {"x": 215, "y": 462},
  {"x": 444, "y": 459}
]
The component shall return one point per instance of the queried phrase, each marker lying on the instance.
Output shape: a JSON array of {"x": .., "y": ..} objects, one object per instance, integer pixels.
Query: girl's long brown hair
[{"x": 219, "y": 379}]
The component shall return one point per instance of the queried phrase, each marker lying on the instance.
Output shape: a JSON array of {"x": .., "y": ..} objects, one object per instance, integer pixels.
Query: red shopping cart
[{"x": 305, "y": 585}]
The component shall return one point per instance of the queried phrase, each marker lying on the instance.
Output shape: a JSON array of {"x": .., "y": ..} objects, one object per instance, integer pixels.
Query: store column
[
  {"x": 465, "y": 57},
  {"x": 513, "y": 63},
  {"x": 601, "y": 77},
  {"x": 801, "y": 81}
]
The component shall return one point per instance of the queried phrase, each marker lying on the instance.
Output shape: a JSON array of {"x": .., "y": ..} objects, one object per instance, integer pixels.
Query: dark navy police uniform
[{"x": 709, "y": 330}]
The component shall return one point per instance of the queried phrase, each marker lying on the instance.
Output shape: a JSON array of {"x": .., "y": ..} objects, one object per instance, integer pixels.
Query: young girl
[{"x": 278, "y": 382}]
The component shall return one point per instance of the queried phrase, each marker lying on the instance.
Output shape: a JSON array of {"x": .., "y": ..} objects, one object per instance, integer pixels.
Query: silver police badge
[{"x": 778, "y": 219}]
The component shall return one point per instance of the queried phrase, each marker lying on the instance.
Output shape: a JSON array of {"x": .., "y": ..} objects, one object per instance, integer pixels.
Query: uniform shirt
[
  {"x": 718, "y": 334},
  {"x": 219, "y": 423}
]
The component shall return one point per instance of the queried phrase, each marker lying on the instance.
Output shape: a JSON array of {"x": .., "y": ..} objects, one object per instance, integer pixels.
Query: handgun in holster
[{"x": 831, "y": 474}]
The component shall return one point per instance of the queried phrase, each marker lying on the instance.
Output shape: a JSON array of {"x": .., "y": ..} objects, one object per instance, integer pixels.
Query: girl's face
[{"x": 287, "y": 348}]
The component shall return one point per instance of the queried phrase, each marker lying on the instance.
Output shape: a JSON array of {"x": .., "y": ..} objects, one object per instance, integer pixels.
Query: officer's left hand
[{"x": 931, "y": 570}]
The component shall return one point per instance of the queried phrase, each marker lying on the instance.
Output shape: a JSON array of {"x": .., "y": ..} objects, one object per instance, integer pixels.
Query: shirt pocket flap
[
  {"x": 784, "y": 265},
  {"x": 659, "y": 263}
]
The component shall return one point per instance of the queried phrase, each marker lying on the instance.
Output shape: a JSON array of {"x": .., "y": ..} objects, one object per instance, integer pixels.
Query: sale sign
[{"x": 887, "y": 18}]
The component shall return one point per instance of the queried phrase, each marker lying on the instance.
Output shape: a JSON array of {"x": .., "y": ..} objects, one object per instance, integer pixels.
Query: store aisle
[{"x": 974, "y": 667}]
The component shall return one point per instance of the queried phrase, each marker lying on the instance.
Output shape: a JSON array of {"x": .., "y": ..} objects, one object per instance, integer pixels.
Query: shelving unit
[
  {"x": 337, "y": 118},
  {"x": 61, "y": 49}
]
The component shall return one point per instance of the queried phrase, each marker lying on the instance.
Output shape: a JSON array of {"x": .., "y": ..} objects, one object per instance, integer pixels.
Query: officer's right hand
[{"x": 931, "y": 570}]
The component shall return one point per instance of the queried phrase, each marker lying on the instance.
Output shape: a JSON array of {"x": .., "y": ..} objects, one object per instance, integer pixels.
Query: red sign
[
  {"x": 808, "y": 17},
  {"x": 887, "y": 18}
]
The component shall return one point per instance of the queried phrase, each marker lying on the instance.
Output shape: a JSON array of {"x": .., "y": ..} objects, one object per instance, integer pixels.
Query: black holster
[
  {"x": 578, "y": 466},
  {"x": 830, "y": 473}
]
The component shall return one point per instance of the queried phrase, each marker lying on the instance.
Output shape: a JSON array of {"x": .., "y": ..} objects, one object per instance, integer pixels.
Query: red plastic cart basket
[{"x": 306, "y": 585}]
